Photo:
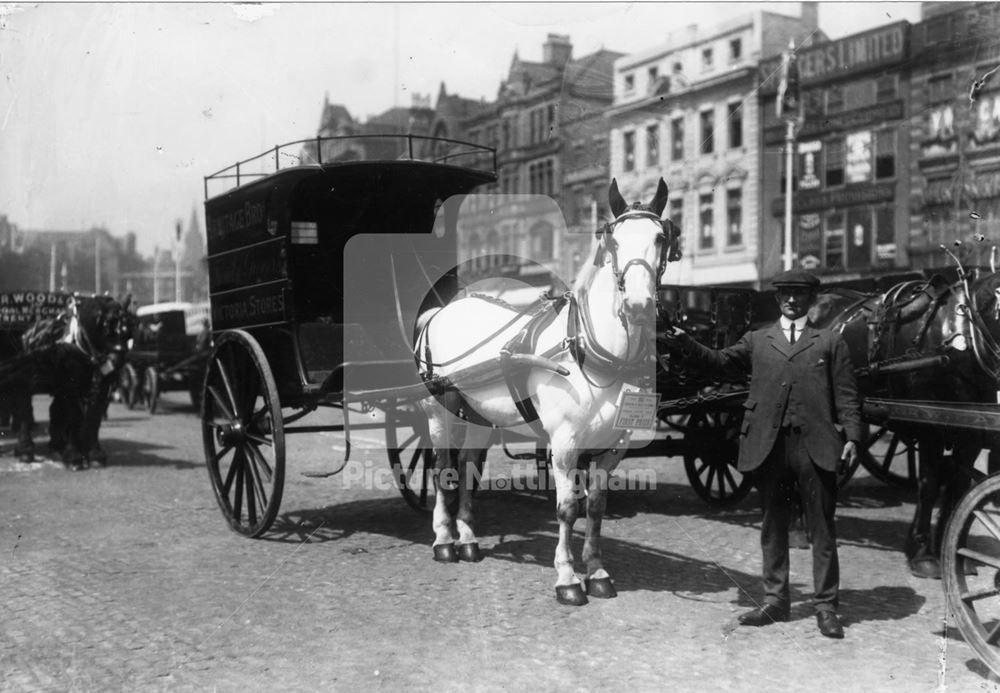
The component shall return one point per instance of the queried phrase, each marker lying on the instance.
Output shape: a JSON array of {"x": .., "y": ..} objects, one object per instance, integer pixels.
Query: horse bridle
[{"x": 667, "y": 238}]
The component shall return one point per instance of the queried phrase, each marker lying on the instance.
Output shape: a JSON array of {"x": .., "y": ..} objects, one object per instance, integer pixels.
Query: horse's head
[
  {"x": 106, "y": 323},
  {"x": 637, "y": 245}
]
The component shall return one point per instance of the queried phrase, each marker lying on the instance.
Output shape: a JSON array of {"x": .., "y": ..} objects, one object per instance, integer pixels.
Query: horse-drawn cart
[
  {"x": 169, "y": 353},
  {"x": 311, "y": 266}
]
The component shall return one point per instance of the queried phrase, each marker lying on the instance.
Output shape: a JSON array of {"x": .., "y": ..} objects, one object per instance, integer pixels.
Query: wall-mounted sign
[
  {"x": 986, "y": 122},
  {"x": 808, "y": 151},
  {"x": 859, "y": 157},
  {"x": 879, "y": 47},
  {"x": 833, "y": 122},
  {"x": 940, "y": 129},
  {"x": 815, "y": 200}
]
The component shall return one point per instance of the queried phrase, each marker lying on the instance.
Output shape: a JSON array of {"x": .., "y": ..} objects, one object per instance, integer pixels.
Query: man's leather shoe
[
  {"x": 764, "y": 616},
  {"x": 829, "y": 624}
]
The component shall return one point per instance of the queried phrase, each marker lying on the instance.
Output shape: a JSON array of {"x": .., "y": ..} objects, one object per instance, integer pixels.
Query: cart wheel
[
  {"x": 408, "y": 445},
  {"x": 972, "y": 540},
  {"x": 243, "y": 433},
  {"x": 711, "y": 441},
  {"x": 128, "y": 385},
  {"x": 891, "y": 457},
  {"x": 150, "y": 388}
]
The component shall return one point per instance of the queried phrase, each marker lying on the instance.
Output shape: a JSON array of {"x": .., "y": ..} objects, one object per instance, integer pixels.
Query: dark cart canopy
[{"x": 278, "y": 245}]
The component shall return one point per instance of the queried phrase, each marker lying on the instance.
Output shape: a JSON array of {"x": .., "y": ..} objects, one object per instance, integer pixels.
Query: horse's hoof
[
  {"x": 75, "y": 466},
  {"x": 25, "y": 456},
  {"x": 470, "y": 552},
  {"x": 601, "y": 588},
  {"x": 445, "y": 553},
  {"x": 571, "y": 595},
  {"x": 926, "y": 567},
  {"x": 98, "y": 464}
]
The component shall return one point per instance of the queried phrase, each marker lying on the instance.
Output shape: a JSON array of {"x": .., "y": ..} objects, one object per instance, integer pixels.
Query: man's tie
[{"x": 791, "y": 334}]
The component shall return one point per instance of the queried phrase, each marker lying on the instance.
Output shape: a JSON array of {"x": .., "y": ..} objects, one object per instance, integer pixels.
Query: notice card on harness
[{"x": 636, "y": 408}]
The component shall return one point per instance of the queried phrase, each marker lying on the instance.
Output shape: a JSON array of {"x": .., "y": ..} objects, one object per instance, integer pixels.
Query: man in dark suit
[{"x": 802, "y": 388}]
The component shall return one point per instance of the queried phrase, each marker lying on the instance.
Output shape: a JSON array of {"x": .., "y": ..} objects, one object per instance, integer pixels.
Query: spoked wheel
[
  {"x": 243, "y": 433},
  {"x": 128, "y": 385},
  {"x": 711, "y": 442},
  {"x": 891, "y": 457},
  {"x": 972, "y": 540},
  {"x": 408, "y": 445},
  {"x": 150, "y": 388}
]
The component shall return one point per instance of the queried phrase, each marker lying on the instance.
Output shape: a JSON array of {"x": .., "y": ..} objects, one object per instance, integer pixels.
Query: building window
[
  {"x": 552, "y": 122},
  {"x": 940, "y": 88},
  {"x": 735, "y": 125},
  {"x": 653, "y": 73},
  {"x": 834, "y": 99},
  {"x": 629, "y": 146},
  {"x": 885, "y": 154},
  {"x": 629, "y": 83},
  {"x": 706, "y": 59},
  {"x": 707, "y": 131},
  {"x": 735, "y": 50},
  {"x": 652, "y": 145},
  {"x": 734, "y": 217},
  {"x": 812, "y": 102},
  {"x": 834, "y": 245},
  {"x": 886, "y": 88},
  {"x": 885, "y": 237},
  {"x": 677, "y": 139},
  {"x": 541, "y": 178},
  {"x": 937, "y": 30},
  {"x": 834, "y": 163},
  {"x": 706, "y": 234},
  {"x": 677, "y": 213}
]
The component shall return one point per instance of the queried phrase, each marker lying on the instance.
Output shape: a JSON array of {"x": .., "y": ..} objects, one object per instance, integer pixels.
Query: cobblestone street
[{"x": 127, "y": 579}]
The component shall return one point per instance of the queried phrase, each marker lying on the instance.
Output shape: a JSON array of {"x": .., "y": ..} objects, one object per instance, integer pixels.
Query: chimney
[
  {"x": 557, "y": 50},
  {"x": 810, "y": 15}
]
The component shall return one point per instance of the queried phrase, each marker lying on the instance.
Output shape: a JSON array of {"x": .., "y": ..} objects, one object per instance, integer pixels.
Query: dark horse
[
  {"x": 928, "y": 340},
  {"x": 76, "y": 357}
]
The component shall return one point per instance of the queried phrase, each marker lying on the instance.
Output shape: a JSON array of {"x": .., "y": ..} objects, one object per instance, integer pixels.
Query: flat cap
[{"x": 795, "y": 277}]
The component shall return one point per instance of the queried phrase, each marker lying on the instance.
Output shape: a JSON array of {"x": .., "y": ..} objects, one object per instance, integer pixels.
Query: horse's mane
[{"x": 586, "y": 274}]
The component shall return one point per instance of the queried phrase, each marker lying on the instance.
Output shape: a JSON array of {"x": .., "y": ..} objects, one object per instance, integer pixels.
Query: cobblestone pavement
[{"x": 127, "y": 579}]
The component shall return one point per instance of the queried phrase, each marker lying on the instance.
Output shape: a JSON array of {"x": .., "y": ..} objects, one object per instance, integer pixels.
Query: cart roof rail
[{"x": 324, "y": 152}]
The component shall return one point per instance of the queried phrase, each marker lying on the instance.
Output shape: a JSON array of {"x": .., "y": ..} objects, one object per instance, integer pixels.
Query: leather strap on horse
[{"x": 522, "y": 344}]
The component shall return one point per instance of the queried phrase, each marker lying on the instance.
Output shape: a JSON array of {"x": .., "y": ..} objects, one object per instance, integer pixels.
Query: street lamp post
[
  {"x": 789, "y": 162},
  {"x": 788, "y": 107}
]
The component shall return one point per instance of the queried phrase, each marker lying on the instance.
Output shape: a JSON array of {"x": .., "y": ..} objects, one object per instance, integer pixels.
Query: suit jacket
[{"x": 812, "y": 379}]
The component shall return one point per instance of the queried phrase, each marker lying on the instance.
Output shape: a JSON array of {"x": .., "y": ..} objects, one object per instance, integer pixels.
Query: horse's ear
[
  {"x": 618, "y": 205},
  {"x": 659, "y": 202}
]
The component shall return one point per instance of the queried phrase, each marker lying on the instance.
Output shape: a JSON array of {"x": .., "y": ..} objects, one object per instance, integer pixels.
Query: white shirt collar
[{"x": 800, "y": 323}]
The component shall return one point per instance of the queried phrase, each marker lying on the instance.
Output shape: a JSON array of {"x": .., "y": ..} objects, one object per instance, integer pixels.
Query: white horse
[{"x": 565, "y": 364}]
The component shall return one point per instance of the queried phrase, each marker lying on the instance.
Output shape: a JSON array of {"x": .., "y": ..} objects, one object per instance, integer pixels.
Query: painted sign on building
[
  {"x": 878, "y": 48},
  {"x": 859, "y": 157},
  {"x": 809, "y": 151}
]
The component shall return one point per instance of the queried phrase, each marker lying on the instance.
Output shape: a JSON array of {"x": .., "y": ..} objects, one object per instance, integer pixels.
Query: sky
[{"x": 112, "y": 114}]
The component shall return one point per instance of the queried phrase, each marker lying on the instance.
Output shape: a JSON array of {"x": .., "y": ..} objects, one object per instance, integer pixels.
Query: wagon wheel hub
[{"x": 230, "y": 434}]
